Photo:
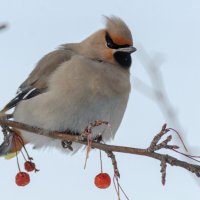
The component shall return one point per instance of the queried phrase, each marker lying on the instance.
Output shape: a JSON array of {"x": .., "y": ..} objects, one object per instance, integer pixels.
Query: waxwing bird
[{"x": 75, "y": 85}]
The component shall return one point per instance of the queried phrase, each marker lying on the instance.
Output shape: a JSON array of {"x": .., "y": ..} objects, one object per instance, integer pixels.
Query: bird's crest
[{"x": 118, "y": 31}]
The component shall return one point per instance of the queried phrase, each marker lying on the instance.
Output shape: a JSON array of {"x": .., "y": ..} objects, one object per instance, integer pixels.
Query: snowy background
[{"x": 168, "y": 31}]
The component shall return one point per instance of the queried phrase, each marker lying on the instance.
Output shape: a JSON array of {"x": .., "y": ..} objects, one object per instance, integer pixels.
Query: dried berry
[
  {"x": 102, "y": 180},
  {"x": 22, "y": 179}
]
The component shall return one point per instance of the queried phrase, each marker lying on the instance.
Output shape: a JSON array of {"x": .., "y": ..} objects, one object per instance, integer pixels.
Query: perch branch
[{"x": 149, "y": 152}]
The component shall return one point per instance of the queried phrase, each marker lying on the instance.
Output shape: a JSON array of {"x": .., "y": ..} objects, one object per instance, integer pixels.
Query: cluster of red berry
[
  {"x": 101, "y": 181},
  {"x": 23, "y": 178}
]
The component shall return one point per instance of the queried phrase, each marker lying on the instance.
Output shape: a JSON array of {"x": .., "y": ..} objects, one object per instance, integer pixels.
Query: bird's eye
[{"x": 109, "y": 42}]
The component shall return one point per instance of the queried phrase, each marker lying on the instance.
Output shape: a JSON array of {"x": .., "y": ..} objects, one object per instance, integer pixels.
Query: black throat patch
[{"x": 123, "y": 58}]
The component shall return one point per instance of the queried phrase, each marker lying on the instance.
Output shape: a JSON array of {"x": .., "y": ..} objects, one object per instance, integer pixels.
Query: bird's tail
[{"x": 12, "y": 145}]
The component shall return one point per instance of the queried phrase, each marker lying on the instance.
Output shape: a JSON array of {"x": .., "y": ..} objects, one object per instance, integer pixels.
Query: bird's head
[{"x": 114, "y": 44}]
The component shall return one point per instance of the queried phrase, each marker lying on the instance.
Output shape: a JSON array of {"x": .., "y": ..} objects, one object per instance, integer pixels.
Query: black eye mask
[{"x": 112, "y": 45}]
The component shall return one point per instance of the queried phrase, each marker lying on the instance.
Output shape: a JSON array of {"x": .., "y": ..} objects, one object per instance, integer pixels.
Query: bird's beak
[{"x": 130, "y": 49}]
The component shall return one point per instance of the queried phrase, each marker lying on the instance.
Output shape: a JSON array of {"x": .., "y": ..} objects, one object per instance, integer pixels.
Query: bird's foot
[
  {"x": 98, "y": 138},
  {"x": 67, "y": 144}
]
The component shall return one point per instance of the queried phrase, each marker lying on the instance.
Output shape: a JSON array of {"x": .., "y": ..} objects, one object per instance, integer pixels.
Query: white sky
[{"x": 169, "y": 28}]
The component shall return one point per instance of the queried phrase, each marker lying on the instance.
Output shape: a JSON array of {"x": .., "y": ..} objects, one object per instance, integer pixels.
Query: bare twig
[
  {"x": 111, "y": 155},
  {"x": 163, "y": 170},
  {"x": 157, "y": 138},
  {"x": 3, "y": 26},
  {"x": 157, "y": 91},
  {"x": 154, "y": 146},
  {"x": 122, "y": 149}
]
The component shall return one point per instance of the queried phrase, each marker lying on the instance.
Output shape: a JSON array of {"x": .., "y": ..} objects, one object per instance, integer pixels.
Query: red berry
[
  {"x": 102, "y": 180},
  {"x": 29, "y": 166},
  {"x": 22, "y": 179}
]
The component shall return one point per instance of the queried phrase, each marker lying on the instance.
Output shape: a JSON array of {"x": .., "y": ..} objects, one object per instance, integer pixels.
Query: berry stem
[
  {"x": 16, "y": 153},
  {"x": 23, "y": 155},
  {"x": 22, "y": 143},
  {"x": 101, "y": 163}
]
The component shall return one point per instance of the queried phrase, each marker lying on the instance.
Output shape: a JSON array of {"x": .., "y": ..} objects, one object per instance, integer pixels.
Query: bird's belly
[{"x": 74, "y": 116}]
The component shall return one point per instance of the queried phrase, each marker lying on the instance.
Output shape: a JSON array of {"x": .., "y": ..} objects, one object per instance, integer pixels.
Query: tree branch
[
  {"x": 149, "y": 152},
  {"x": 3, "y": 26}
]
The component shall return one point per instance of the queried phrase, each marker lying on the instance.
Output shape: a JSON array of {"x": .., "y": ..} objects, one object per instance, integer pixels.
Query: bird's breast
[{"x": 79, "y": 93}]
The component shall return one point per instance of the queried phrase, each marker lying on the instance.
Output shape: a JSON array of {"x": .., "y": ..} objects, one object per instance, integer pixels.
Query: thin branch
[
  {"x": 3, "y": 26},
  {"x": 112, "y": 148},
  {"x": 111, "y": 155},
  {"x": 157, "y": 90},
  {"x": 163, "y": 170}
]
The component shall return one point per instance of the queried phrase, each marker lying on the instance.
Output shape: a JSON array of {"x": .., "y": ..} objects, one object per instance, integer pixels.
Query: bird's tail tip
[
  {"x": 10, "y": 147},
  {"x": 6, "y": 146}
]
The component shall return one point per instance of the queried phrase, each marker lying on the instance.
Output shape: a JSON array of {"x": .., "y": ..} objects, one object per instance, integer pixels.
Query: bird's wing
[{"x": 37, "y": 82}]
